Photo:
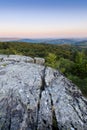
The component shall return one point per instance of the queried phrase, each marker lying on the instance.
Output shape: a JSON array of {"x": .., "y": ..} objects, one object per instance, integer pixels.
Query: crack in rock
[{"x": 42, "y": 88}]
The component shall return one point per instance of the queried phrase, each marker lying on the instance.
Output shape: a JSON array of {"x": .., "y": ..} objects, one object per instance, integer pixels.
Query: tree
[
  {"x": 80, "y": 67},
  {"x": 65, "y": 65},
  {"x": 51, "y": 60}
]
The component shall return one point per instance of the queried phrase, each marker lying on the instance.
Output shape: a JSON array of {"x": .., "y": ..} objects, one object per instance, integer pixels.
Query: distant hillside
[
  {"x": 8, "y": 39},
  {"x": 82, "y": 44},
  {"x": 78, "y": 42},
  {"x": 54, "y": 41}
]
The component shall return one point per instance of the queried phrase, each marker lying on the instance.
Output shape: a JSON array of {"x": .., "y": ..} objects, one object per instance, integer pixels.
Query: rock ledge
[{"x": 35, "y": 97}]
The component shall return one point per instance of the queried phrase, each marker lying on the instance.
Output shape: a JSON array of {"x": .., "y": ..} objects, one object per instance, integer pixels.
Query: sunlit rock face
[{"x": 35, "y": 97}]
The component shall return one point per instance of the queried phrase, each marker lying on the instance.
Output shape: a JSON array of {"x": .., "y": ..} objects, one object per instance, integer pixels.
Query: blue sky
[{"x": 43, "y": 18}]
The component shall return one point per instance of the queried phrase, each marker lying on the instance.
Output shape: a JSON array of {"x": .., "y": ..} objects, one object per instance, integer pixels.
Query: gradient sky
[{"x": 43, "y": 18}]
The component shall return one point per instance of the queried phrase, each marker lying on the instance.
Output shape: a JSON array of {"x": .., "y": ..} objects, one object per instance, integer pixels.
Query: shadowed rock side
[{"x": 35, "y": 97}]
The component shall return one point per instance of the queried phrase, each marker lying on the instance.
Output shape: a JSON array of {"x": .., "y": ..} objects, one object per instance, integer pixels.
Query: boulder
[
  {"x": 40, "y": 61},
  {"x": 18, "y": 58},
  {"x": 35, "y": 97}
]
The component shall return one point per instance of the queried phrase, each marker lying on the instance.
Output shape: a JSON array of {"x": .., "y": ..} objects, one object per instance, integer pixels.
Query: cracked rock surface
[{"x": 35, "y": 97}]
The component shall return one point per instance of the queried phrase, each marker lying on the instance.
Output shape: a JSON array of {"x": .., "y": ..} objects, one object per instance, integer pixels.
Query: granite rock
[{"x": 35, "y": 97}]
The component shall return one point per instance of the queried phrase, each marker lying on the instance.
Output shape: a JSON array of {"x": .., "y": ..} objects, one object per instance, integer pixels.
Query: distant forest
[{"x": 70, "y": 60}]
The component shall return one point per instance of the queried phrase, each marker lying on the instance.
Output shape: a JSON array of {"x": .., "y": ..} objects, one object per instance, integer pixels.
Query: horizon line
[{"x": 43, "y": 38}]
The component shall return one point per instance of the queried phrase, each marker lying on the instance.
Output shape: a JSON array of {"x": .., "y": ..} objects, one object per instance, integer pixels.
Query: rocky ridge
[{"x": 35, "y": 97}]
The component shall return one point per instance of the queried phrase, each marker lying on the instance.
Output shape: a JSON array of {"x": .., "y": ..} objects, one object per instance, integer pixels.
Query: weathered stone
[
  {"x": 40, "y": 61},
  {"x": 70, "y": 108},
  {"x": 2, "y": 57},
  {"x": 34, "y": 97},
  {"x": 18, "y": 58},
  {"x": 45, "y": 112}
]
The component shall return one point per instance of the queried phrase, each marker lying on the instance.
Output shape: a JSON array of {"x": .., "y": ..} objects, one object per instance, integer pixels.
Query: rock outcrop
[{"x": 35, "y": 97}]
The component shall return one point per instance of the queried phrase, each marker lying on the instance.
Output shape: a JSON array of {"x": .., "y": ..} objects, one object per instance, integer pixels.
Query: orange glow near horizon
[
  {"x": 44, "y": 34},
  {"x": 41, "y": 30}
]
